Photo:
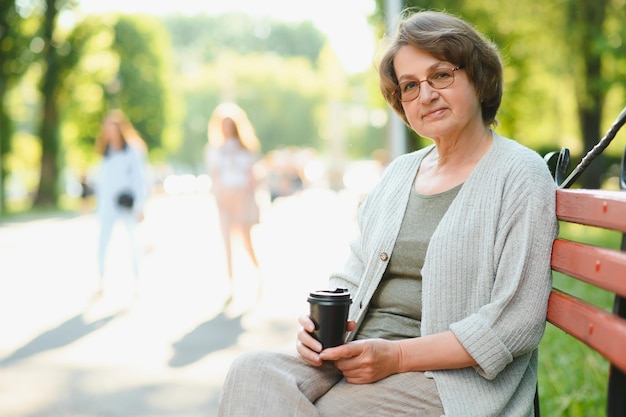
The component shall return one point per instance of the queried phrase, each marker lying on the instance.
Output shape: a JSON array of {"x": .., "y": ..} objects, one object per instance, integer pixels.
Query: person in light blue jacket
[
  {"x": 121, "y": 187},
  {"x": 450, "y": 272}
]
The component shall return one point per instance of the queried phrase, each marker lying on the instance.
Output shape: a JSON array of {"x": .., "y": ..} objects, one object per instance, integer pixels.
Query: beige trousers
[{"x": 267, "y": 384}]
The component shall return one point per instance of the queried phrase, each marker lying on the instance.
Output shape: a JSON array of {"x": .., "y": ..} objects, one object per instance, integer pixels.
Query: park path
[{"x": 164, "y": 352}]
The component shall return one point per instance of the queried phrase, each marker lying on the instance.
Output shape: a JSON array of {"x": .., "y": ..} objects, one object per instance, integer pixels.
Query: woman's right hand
[{"x": 307, "y": 346}]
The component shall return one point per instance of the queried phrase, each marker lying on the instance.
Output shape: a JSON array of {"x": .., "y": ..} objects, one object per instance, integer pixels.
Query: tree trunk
[
  {"x": 47, "y": 193},
  {"x": 590, "y": 127},
  {"x": 5, "y": 124},
  {"x": 587, "y": 19},
  {"x": 5, "y": 134}
]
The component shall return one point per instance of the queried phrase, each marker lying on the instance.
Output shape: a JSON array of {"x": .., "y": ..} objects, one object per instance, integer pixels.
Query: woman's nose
[{"x": 427, "y": 93}]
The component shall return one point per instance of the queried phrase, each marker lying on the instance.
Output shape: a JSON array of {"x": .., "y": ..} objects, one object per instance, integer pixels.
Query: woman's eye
[
  {"x": 409, "y": 86},
  {"x": 441, "y": 75}
]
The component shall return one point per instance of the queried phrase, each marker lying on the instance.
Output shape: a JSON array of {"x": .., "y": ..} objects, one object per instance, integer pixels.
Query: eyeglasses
[{"x": 439, "y": 79}]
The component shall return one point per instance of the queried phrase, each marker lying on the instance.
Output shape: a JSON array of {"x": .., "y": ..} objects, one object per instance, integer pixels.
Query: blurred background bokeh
[{"x": 305, "y": 73}]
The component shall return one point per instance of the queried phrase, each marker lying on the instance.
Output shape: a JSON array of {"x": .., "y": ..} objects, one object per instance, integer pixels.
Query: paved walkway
[{"x": 166, "y": 351}]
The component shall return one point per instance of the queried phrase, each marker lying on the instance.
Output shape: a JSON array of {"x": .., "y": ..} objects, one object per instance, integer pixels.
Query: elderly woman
[{"x": 450, "y": 273}]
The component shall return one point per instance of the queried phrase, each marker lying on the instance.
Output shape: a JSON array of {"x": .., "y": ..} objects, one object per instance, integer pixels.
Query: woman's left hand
[{"x": 365, "y": 361}]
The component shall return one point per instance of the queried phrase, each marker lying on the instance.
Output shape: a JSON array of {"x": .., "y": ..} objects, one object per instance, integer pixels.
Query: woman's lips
[{"x": 434, "y": 113}]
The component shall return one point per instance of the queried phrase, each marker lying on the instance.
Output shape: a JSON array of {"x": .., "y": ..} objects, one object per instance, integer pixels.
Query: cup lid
[{"x": 328, "y": 294}]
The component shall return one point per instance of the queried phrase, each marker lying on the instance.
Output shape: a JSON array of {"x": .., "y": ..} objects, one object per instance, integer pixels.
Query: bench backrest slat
[
  {"x": 597, "y": 266},
  {"x": 599, "y": 329},
  {"x": 601, "y": 208}
]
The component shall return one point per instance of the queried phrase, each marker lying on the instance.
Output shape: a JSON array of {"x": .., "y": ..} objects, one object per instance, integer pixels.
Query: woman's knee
[
  {"x": 251, "y": 364},
  {"x": 252, "y": 359}
]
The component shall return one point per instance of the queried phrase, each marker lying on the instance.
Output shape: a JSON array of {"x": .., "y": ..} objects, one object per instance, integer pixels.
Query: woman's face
[
  {"x": 436, "y": 114},
  {"x": 112, "y": 134},
  {"x": 228, "y": 128}
]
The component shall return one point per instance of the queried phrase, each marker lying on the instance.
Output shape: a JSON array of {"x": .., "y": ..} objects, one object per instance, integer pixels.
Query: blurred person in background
[
  {"x": 232, "y": 153},
  {"x": 121, "y": 188}
]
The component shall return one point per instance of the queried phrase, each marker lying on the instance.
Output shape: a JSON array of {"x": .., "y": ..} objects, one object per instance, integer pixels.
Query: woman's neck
[
  {"x": 450, "y": 164},
  {"x": 466, "y": 150}
]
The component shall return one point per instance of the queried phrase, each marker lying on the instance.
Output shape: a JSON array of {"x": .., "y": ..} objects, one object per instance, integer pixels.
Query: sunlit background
[
  {"x": 343, "y": 22},
  {"x": 305, "y": 73}
]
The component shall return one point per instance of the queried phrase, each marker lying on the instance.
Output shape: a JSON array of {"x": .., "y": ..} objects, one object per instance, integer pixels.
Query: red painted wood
[
  {"x": 601, "y": 267},
  {"x": 599, "y": 329},
  {"x": 604, "y": 268},
  {"x": 601, "y": 208}
]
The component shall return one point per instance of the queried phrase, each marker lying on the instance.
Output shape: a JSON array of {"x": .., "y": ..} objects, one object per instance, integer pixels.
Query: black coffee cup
[{"x": 329, "y": 312}]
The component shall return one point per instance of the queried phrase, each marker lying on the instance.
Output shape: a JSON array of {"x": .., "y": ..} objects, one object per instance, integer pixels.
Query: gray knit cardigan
[{"x": 486, "y": 275}]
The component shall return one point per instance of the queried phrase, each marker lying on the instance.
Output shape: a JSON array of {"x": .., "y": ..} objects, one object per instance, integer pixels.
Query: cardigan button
[{"x": 383, "y": 256}]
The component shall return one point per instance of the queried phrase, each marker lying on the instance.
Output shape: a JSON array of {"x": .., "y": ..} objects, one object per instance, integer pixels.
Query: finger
[
  {"x": 309, "y": 341},
  {"x": 350, "y": 375},
  {"x": 309, "y": 356},
  {"x": 350, "y": 365},
  {"x": 306, "y": 323},
  {"x": 340, "y": 352},
  {"x": 351, "y": 325}
]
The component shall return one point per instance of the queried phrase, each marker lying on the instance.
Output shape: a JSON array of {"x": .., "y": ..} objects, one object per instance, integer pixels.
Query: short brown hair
[{"x": 448, "y": 38}]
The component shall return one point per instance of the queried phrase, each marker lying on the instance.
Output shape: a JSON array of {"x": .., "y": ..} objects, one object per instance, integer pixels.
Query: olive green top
[{"x": 395, "y": 311}]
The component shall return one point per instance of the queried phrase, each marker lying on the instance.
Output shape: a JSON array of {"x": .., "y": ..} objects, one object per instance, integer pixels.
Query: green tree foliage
[
  {"x": 202, "y": 37},
  {"x": 122, "y": 62},
  {"x": 280, "y": 96},
  {"x": 271, "y": 69},
  {"x": 15, "y": 56},
  {"x": 595, "y": 34},
  {"x": 127, "y": 61},
  {"x": 87, "y": 87},
  {"x": 99, "y": 63},
  {"x": 144, "y": 82},
  {"x": 286, "y": 78}
]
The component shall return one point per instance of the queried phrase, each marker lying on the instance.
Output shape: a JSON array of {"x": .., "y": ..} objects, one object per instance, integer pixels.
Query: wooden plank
[
  {"x": 599, "y": 329},
  {"x": 597, "y": 266},
  {"x": 600, "y": 208}
]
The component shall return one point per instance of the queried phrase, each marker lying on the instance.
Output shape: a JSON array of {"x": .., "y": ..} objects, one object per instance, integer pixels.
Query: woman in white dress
[{"x": 232, "y": 155}]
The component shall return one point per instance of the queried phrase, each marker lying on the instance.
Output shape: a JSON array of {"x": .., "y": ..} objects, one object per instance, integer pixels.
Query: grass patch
[{"x": 23, "y": 209}]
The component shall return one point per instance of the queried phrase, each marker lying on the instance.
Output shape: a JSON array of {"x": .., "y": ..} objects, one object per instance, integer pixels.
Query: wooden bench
[{"x": 602, "y": 330}]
